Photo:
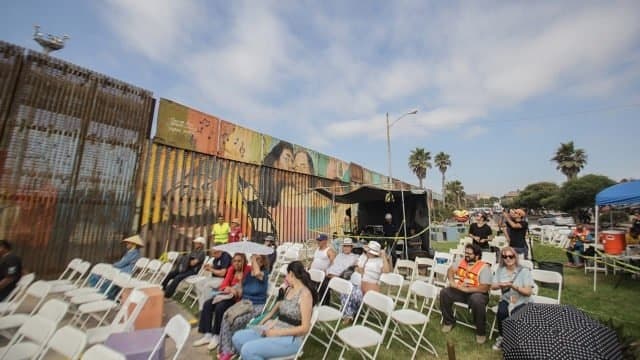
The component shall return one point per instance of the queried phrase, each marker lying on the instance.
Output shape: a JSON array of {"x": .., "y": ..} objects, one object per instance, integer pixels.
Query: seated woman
[
  {"x": 516, "y": 284},
  {"x": 214, "y": 308},
  {"x": 373, "y": 263},
  {"x": 254, "y": 289},
  {"x": 282, "y": 337},
  {"x": 580, "y": 236}
]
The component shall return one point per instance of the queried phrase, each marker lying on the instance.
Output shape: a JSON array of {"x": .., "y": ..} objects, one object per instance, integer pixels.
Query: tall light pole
[{"x": 389, "y": 125}]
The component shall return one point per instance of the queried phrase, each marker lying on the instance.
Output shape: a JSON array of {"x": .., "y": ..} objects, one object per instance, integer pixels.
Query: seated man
[
  {"x": 324, "y": 255},
  {"x": 578, "y": 237},
  {"x": 217, "y": 269},
  {"x": 342, "y": 262},
  {"x": 633, "y": 235},
  {"x": 469, "y": 283},
  {"x": 10, "y": 269},
  {"x": 188, "y": 265}
]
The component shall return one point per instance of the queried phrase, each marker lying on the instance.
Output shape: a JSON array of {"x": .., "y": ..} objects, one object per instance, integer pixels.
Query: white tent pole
[
  {"x": 406, "y": 251},
  {"x": 595, "y": 254}
]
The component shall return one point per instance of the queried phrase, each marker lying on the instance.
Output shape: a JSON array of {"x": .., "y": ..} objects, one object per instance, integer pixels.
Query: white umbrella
[{"x": 245, "y": 247}]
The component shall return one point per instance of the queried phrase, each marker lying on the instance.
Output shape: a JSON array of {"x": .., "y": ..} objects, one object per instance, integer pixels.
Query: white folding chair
[
  {"x": 360, "y": 337},
  {"x": 316, "y": 275},
  {"x": 97, "y": 271},
  {"x": 406, "y": 268},
  {"x": 332, "y": 312},
  {"x": 443, "y": 258},
  {"x": 549, "y": 277},
  {"x": 152, "y": 268},
  {"x": 18, "y": 291},
  {"x": 108, "y": 275},
  {"x": 80, "y": 269},
  {"x": 124, "y": 319},
  {"x": 414, "y": 322},
  {"x": 526, "y": 264},
  {"x": 489, "y": 257},
  {"x": 30, "y": 339},
  {"x": 191, "y": 281},
  {"x": 425, "y": 262},
  {"x": 393, "y": 281},
  {"x": 38, "y": 290},
  {"x": 162, "y": 273},
  {"x": 53, "y": 309},
  {"x": 101, "y": 352},
  {"x": 178, "y": 330},
  {"x": 67, "y": 341},
  {"x": 139, "y": 268},
  {"x": 94, "y": 308},
  {"x": 68, "y": 274},
  {"x": 439, "y": 274},
  {"x": 172, "y": 256}
]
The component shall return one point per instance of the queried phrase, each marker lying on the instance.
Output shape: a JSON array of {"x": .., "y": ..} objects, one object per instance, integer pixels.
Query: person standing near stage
[
  {"x": 480, "y": 231},
  {"x": 220, "y": 231},
  {"x": 516, "y": 231},
  {"x": 235, "y": 233}
]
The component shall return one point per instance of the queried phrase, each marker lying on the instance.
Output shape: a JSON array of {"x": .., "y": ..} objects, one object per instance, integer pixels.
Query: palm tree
[
  {"x": 442, "y": 161},
  {"x": 419, "y": 162},
  {"x": 456, "y": 190},
  {"x": 569, "y": 160}
]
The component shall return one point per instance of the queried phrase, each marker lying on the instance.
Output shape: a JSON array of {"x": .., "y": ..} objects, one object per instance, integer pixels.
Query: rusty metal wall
[
  {"x": 185, "y": 190},
  {"x": 70, "y": 152}
]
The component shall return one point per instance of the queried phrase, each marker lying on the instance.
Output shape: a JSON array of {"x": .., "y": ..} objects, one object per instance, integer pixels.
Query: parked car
[{"x": 557, "y": 219}]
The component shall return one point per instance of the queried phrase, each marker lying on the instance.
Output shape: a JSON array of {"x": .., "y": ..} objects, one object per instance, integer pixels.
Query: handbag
[{"x": 238, "y": 309}]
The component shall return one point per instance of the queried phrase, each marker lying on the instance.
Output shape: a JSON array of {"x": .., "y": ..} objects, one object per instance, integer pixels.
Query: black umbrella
[{"x": 546, "y": 331}]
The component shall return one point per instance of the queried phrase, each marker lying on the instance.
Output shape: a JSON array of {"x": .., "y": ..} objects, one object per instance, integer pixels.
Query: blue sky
[{"x": 498, "y": 85}]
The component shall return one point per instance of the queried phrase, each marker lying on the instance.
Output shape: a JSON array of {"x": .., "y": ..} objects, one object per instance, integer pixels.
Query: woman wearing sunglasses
[{"x": 516, "y": 285}]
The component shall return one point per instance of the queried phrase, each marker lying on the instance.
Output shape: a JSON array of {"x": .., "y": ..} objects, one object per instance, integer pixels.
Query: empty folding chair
[
  {"x": 80, "y": 270},
  {"x": 68, "y": 274},
  {"x": 414, "y": 322},
  {"x": 316, "y": 275},
  {"x": 30, "y": 339},
  {"x": 123, "y": 321},
  {"x": 548, "y": 277},
  {"x": 139, "y": 268},
  {"x": 393, "y": 283},
  {"x": 439, "y": 274},
  {"x": 172, "y": 256},
  {"x": 162, "y": 273},
  {"x": 96, "y": 276},
  {"x": 152, "y": 268},
  {"x": 178, "y": 330},
  {"x": 95, "y": 308},
  {"x": 38, "y": 290},
  {"x": 406, "y": 268},
  {"x": 67, "y": 341},
  {"x": 328, "y": 314},
  {"x": 192, "y": 280},
  {"x": 101, "y": 352},
  {"x": 360, "y": 337},
  {"x": 53, "y": 309},
  {"x": 427, "y": 264}
]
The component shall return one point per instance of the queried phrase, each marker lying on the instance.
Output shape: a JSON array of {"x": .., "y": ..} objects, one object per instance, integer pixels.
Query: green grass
[{"x": 609, "y": 302}]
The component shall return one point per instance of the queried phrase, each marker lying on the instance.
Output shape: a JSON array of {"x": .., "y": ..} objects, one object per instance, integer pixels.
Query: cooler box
[
  {"x": 151, "y": 315},
  {"x": 613, "y": 242}
]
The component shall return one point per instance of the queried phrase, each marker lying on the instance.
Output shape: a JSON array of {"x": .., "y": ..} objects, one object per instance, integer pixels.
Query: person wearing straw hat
[
  {"x": 189, "y": 265},
  {"x": 235, "y": 233},
  {"x": 128, "y": 260},
  {"x": 370, "y": 266}
]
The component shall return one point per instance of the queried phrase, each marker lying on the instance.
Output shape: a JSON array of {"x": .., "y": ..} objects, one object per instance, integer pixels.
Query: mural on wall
[
  {"x": 240, "y": 144},
  {"x": 186, "y": 128}
]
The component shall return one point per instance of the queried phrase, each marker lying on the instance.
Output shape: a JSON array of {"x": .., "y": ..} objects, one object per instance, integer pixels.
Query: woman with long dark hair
[{"x": 282, "y": 337}]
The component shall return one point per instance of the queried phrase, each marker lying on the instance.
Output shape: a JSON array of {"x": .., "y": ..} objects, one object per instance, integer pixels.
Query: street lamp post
[{"x": 389, "y": 125}]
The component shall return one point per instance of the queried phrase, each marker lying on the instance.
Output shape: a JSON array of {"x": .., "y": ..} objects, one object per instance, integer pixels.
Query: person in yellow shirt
[{"x": 221, "y": 231}]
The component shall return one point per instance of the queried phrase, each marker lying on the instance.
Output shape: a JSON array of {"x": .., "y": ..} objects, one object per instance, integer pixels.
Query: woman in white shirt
[{"x": 373, "y": 263}]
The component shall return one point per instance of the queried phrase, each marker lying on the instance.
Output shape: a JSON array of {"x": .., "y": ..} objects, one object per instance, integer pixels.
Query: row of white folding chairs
[{"x": 191, "y": 281}]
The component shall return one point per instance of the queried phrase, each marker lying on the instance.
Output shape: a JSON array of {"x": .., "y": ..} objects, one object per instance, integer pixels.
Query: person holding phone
[{"x": 516, "y": 284}]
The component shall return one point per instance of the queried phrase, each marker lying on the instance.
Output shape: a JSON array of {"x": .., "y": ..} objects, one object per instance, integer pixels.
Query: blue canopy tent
[{"x": 619, "y": 195}]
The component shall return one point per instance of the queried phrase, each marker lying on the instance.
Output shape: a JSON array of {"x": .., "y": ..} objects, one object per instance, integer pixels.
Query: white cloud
[
  {"x": 333, "y": 71},
  {"x": 474, "y": 131}
]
